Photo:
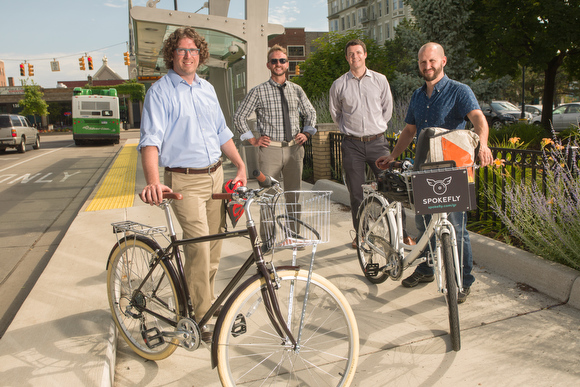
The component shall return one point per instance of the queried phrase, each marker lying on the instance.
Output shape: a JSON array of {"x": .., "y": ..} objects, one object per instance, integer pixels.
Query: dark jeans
[
  {"x": 459, "y": 221},
  {"x": 355, "y": 155}
]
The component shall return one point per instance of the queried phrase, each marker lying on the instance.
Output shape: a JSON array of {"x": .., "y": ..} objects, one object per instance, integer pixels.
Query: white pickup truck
[{"x": 17, "y": 132}]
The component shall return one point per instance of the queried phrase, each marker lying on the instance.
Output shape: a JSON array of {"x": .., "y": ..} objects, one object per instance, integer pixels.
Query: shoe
[
  {"x": 206, "y": 334},
  {"x": 417, "y": 278},
  {"x": 409, "y": 241},
  {"x": 462, "y": 296},
  {"x": 354, "y": 245}
]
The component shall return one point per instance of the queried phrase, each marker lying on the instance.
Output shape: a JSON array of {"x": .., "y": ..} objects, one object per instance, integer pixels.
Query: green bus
[{"x": 95, "y": 115}]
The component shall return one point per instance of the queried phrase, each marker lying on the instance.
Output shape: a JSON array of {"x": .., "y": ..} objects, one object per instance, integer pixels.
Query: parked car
[
  {"x": 499, "y": 113},
  {"x": 563, "y": 117},
  {"x": 535, "y": 110},
  {"x": 17, "y": 132}
]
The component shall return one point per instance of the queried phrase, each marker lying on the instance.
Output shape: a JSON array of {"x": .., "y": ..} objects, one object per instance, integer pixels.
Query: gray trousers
[{"x": 355, "y": 154}]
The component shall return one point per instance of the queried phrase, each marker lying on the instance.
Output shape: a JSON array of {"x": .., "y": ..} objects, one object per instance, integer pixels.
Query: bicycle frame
[
  {"x": 438, "y": 225},
  {"x": 172, "y": 256}
]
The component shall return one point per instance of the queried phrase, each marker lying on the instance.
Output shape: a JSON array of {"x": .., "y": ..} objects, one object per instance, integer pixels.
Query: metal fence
[{"x": 518, "y": 165}]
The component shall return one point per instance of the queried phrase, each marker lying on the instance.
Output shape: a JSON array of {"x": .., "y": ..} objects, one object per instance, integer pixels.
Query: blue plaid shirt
[{"x": 447, "y": 108}]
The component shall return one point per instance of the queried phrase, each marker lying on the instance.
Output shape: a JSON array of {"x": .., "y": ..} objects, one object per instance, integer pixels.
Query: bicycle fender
[
  {"x": 150, "y": 242},
  {"x": 228, "y": 304}
]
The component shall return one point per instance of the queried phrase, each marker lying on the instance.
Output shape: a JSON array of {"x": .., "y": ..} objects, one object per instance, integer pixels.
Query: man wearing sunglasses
[
  {"x": 184, "y": 130},
  {"x": 281, "y": 141}
]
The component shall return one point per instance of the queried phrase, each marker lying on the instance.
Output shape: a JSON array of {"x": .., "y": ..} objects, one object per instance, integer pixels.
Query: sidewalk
[{"x": 511, "y": 334}]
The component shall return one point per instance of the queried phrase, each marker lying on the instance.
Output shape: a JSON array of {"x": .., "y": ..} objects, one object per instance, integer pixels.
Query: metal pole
[{"x": 523, "y": 115}]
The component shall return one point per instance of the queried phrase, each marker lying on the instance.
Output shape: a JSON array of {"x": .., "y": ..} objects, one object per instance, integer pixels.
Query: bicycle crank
[{"x": 188, "y": 334}]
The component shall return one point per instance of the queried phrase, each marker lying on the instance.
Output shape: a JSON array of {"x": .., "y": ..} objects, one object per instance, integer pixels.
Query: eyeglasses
[
  {"x": 183, "y": 51},
  {"x": 281, "y": 60}
]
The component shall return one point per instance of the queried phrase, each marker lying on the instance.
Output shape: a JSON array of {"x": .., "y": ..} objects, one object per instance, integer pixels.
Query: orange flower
[
  {"x": 546, "y": 142},
  {"x": 515, "y": 140},
  {"x": 498, "y": 163},
  {"x": 559, "y": 146}
]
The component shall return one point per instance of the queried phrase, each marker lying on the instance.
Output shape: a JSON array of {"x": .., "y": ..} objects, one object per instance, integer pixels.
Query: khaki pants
[
  {"x": 275, "y": 161},
  {"x": 199, "y": 215}
]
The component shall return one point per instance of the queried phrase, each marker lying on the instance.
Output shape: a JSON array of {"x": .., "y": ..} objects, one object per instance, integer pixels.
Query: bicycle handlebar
[{"x": 172, "y": 195}]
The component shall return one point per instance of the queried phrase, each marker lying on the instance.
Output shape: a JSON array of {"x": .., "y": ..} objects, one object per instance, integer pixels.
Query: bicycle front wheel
[
  {"x": 451, "y": 291},
  {"x": 142, "y": 315},
  {"x": 251, "y": 352},
  {"x": 373, "y": 236}
]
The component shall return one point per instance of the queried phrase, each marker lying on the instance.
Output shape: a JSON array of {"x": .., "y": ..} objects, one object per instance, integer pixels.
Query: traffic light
[
  {"x": 30, "y": 70},
  {"x": 22, "y": 73},
  {"x": 297, "y": 71},
  {"x": 82, "y": 63},
  {"x": 127, "y": 59},
  {"x": 90, "y": 62}
]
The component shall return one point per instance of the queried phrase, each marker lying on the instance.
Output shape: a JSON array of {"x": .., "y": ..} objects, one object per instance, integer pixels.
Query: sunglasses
[{"x": 281, "y": 60}]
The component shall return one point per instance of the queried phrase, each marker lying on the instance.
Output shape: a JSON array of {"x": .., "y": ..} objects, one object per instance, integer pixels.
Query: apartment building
[{"x": 378, "y": 18}]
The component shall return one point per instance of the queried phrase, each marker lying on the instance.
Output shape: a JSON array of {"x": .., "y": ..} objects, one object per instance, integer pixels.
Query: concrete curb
[{"x": 550, "y": 278}]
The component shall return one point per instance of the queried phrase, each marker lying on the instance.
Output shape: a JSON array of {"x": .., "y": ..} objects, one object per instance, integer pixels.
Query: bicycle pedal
[
  {"x": 152, "y": 337},
  {"x": 239, "y": 327},
  {"x": 372, "y": 269}
]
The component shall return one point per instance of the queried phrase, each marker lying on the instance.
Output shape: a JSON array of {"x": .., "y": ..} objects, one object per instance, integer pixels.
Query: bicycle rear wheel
[
  {"x": 250, "y": 352},
  {"x": 133, "y": 309},
  {"x": 451, "y": 293},
  {"x": 373, "y": 260}
]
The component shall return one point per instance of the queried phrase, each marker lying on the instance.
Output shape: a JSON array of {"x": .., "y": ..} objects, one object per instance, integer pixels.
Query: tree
[
  {"x": 540, "y": 35},
  {"x": 33, "y": 104},
  {"x": 446, "y": 22},
  {"x": 328, "y": 63}
]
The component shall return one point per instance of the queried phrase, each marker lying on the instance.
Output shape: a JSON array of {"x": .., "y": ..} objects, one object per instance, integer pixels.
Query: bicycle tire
[
  {"x": 370, "y": 211},
  {"x": 452, "y": 291},
  {"x": 329, "y": 344},
  {"x": 133, "y": 255}
]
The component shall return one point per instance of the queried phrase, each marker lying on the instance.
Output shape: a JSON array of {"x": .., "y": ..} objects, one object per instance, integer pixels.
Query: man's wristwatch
[{"x": 308, "y": 135}]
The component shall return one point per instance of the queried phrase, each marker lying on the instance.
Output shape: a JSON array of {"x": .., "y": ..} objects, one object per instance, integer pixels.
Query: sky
[{"x": 42, "y": 31}]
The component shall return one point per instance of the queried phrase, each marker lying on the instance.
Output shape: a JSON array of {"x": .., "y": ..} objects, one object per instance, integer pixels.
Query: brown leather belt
[
  {"x": 196, "y": 171},
  {"x": 363, "y": 138}
]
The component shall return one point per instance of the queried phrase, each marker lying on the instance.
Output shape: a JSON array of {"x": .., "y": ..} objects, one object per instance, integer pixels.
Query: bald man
[{"x": 443, "y": 103}]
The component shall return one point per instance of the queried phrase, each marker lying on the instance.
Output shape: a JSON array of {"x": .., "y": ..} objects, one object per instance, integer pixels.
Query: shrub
[{"x": 548, "y": 224}]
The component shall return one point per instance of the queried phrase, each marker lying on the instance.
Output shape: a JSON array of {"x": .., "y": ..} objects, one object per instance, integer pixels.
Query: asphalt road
[{"x": 41, "y": 192}]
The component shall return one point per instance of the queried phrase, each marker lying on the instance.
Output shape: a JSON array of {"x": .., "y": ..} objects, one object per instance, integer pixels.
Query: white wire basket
[{"x": 296, "y": 218}]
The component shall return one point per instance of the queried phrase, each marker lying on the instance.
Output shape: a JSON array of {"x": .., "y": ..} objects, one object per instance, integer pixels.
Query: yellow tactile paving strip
[{"x": 118, "y": 188}]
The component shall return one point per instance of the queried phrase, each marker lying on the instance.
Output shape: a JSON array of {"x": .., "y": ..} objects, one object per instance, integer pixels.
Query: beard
[{"x": 436, "y": 72}]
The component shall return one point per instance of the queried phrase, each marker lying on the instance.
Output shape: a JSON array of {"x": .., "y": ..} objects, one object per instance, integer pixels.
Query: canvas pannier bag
[{"x": 437, "y": 145}]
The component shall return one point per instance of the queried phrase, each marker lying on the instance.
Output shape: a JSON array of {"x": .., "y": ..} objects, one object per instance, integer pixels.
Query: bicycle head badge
[{"x": 236, "y": 211}]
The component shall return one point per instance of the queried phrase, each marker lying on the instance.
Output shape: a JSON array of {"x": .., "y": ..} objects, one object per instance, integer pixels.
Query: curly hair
[{"x": 171, "y": 42}]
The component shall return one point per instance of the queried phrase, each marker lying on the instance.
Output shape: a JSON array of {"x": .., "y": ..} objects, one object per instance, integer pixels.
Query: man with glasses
[
  {"x": 278, "y": 105},
  {"x": 184, "y": 130}
]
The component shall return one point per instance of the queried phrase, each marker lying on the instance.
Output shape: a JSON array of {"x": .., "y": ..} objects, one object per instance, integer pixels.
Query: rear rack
[{"x": 137, "y": 228}]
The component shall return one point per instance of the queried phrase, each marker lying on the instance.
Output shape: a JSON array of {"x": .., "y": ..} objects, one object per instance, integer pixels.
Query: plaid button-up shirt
[{"x": 265, "y": 100}]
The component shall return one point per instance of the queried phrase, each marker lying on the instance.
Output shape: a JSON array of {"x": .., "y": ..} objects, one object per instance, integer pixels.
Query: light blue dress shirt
[{"x": 185, "y": 122}]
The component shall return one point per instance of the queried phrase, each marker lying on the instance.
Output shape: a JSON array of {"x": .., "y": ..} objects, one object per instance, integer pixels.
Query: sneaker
[
  {"x": 417, "y": 278},
  {"x": 462, "y": 296}
]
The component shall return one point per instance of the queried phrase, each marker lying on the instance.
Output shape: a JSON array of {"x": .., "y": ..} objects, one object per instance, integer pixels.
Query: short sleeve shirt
[{"x": 447, "y": 108}]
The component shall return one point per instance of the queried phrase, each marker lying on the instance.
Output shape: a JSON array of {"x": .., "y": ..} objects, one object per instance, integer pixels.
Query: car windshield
[
  {"x": 504, "y": 105},
  {"x": 5, "y": 122}
]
